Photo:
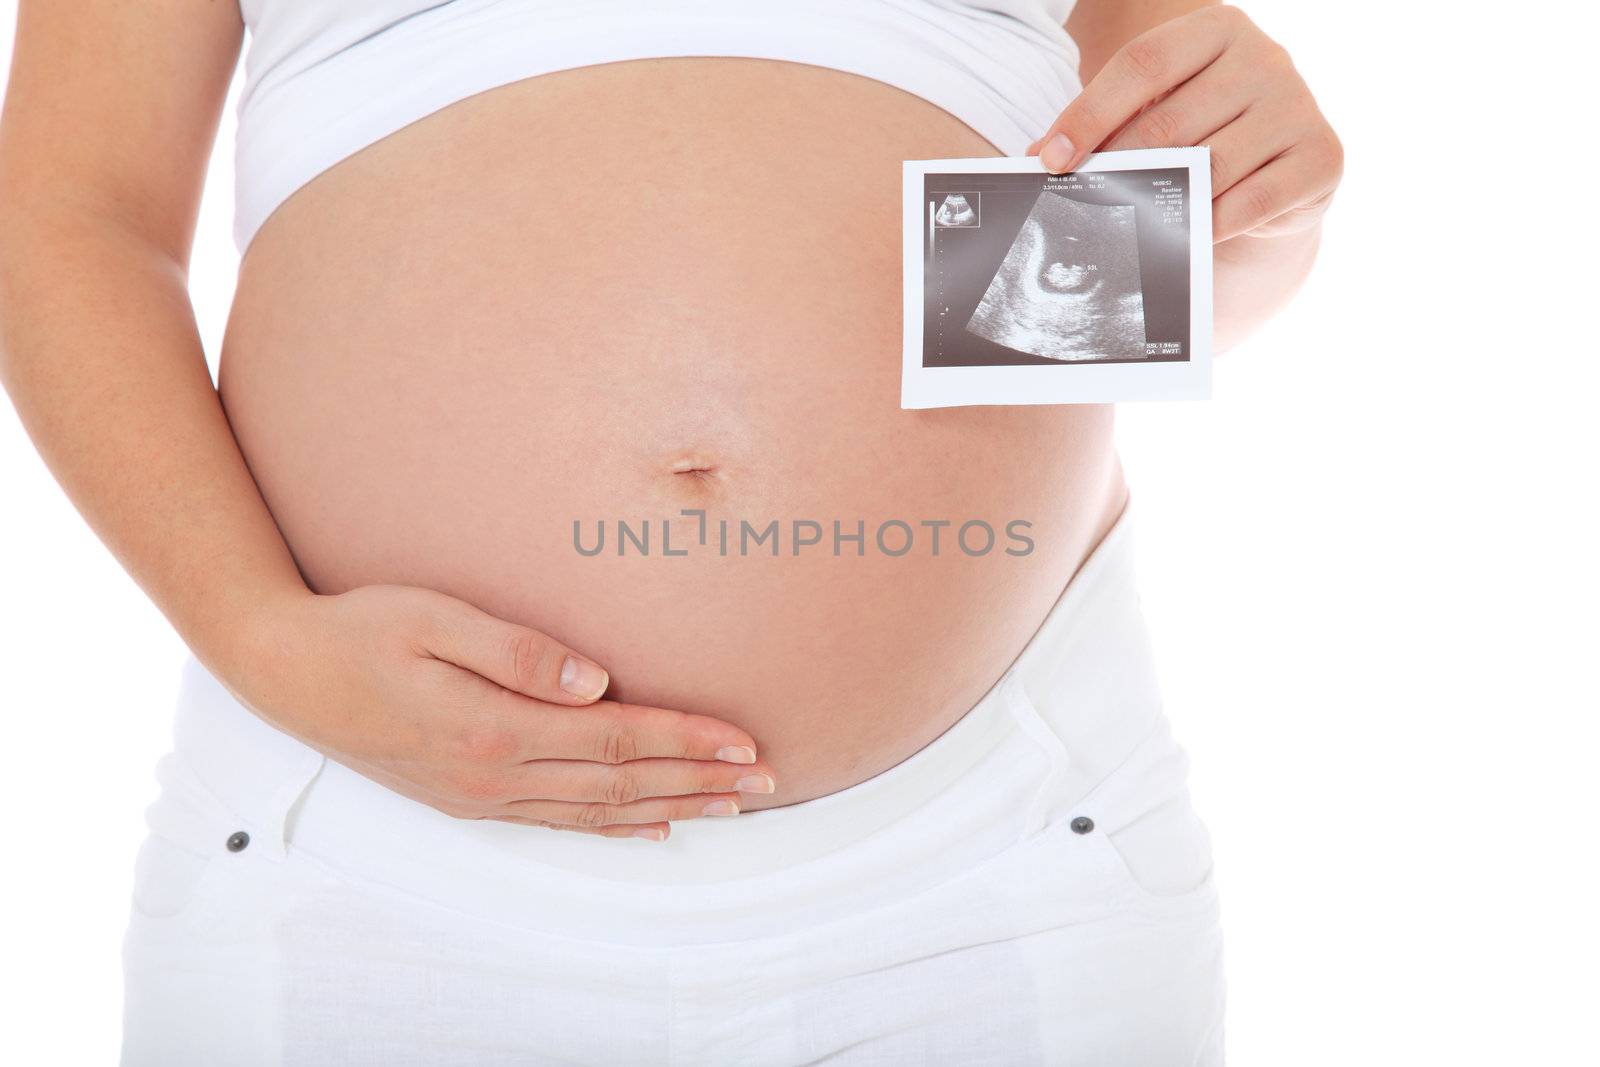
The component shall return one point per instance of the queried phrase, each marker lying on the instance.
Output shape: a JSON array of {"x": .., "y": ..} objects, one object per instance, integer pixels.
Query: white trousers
[{"x": 1033, "y": 887}]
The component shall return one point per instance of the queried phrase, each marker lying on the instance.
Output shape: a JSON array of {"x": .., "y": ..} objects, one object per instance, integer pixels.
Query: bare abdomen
[{"x": 624, "y": 292}]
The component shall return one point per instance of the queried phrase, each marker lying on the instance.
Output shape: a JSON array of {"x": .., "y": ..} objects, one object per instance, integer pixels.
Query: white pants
[{"x": 1033, "y": 887}]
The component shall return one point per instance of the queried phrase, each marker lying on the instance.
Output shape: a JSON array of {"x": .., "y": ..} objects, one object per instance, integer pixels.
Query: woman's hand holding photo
[{"x": 1213, "y": 78}]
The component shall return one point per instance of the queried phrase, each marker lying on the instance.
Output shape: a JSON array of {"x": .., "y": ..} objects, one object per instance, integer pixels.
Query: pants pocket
[
  {"x": 186, "y": 839},
  {"x": 1165, "y": 852},
  {"x": 166, "y": 877},
  {"x": 196, "y": 835},
  {"x": 1141, "y": 817},
  {"x": 1136, "y": 820}
]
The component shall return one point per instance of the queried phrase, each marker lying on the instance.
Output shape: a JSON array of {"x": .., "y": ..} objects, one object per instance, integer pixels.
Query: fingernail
[
  {"x": 736, "y": 754},
  {"x": 755, "y": 783},
  {"x": 1056, "y": 154},
  {"x": 720, "y": 807},
  {"x": 651, "y": 833},
  {"x": 583, "y": 679}
]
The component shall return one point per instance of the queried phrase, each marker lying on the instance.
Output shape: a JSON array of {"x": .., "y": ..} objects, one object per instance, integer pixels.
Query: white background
[{"x": 1369, "y": 563}]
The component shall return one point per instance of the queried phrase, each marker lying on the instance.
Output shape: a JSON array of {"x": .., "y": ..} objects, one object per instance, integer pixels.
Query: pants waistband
[{"x": 1076, "y": 702}]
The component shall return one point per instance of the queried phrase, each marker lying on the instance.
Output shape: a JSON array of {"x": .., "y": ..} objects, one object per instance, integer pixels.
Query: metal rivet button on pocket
[
  {"x": 237, "y": 841},
  {"x": 1082, "y": 824}
]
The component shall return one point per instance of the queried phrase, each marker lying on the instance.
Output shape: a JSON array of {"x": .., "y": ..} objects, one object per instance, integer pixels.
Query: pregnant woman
[{"x": 524, "y": 276}]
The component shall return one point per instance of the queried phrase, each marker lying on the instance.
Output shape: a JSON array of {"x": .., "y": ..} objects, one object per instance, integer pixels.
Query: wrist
[
  {"x": 1287, "y": 246},
  {"x": 1254, "y": 278},
  {"x": 248, "y": 642}
]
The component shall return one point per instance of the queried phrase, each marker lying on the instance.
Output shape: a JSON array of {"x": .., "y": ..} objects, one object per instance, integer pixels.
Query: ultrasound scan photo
[
  {"x": 956, "y": 210},
  {"x": 1025, "y": 287},
  {"x": 1069, "y": 288}
]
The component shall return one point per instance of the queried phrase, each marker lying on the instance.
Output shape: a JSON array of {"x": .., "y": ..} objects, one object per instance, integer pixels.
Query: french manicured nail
[
  {"x": 651, "y": 833},
  {"x": 1056, "y": 153},
  {"x": 736, "y": 754},
  {"x": 720, "y": 807},
  {"x": 583, "y": 679},
  {"x": 755, "y": 783}
]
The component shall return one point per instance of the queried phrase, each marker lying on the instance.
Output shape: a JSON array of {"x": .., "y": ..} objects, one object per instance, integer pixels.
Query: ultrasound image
[
  {"x": 1079, "y": 269},
  {"x": 956, "y": 211},
  {"x": 1069, "y": 287}
]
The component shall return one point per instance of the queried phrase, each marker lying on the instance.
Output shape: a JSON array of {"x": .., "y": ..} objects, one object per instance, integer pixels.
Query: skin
[
  {"x": 1175, "y": 74},
  {"x": 100, "y": 354},
  {"x": 651, "y": 393},
  {"x": 412, "y": 658}
]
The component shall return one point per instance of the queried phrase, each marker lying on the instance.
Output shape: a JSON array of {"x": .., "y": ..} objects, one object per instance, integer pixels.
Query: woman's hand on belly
[{"x": 484, "y": 719}]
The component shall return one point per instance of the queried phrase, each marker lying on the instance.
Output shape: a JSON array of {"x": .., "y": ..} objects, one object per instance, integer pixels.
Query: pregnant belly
[{"x": 614, "y": 353}]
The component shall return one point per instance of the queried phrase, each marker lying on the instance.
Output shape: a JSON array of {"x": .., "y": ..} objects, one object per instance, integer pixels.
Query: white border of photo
[{"x": 1077, "y": 382}]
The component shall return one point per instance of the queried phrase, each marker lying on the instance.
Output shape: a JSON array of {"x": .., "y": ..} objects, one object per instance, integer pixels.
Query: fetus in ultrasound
[
  {"x": 956, "y": 211},
  {"x": 1069, "y": 287}
]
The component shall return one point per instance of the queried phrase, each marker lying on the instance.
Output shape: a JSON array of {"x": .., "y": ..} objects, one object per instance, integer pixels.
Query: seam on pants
[
  {"x": 288, "y": 800},
  {"x": 1215, "y": 1040},
  {"x": 1055, "y": 750},
  {"x": 1060, "y": 754},
  {"x": 672, "y": 1002}
]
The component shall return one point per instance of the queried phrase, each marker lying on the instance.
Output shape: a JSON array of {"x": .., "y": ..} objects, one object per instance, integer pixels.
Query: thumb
[{"x": 517, "y": 657}]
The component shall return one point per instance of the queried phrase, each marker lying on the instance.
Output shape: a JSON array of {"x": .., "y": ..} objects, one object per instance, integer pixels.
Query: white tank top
[{"x": 325, "y": 78}]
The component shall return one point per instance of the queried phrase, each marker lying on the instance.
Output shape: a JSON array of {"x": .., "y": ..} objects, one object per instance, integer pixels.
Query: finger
[
  {"x": 1151, "y": 64},
  {"x": 1106, "y": 143},
  {"x": 456, "y": 808},
  {"x": 1284, "y": 196},
  {"x": 517, "y": 729},
  {"x": 516, "y": 657},
  {"x": 1243, "y": 147},
  {"x": 653, "y": 809},
  {"x": 651, "y": 832},
  {"x": 1188, "y": 115},
  {"x": 587, "y": 781}
]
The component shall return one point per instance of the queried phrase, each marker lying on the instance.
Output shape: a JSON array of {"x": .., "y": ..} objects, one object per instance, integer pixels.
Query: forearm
[
  {"x": 1254, "y": 277},
  {"x": 100, "y": 354}
]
